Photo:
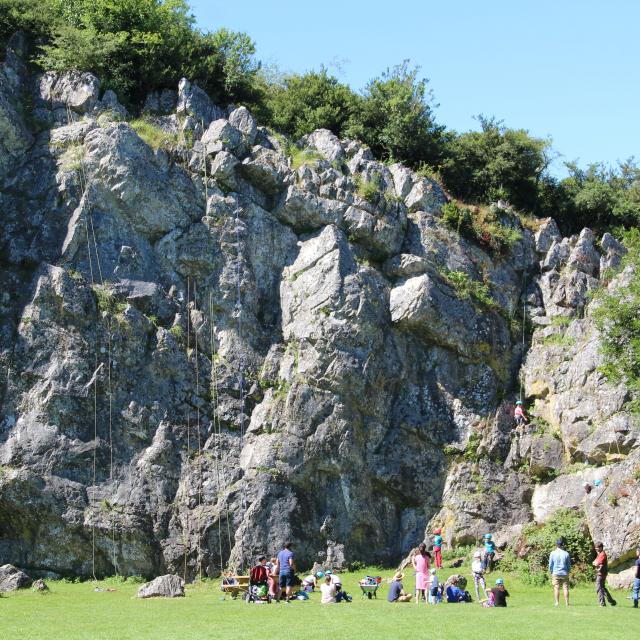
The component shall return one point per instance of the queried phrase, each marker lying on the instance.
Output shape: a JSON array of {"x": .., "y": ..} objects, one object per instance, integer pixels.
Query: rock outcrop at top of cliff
[{"x": 206, "y": 349}]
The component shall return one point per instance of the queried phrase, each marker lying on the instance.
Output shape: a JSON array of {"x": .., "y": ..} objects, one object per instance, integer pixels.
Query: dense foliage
[
  {"x": 530, "y": 557},
  {"x": 618, "y": 317},
  {"x": 136, "y": 46}
]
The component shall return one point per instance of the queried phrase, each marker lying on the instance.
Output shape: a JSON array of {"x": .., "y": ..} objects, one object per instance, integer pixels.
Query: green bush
[
  {"x": 530, "y": 556},
  {"x": 466, "y": 287},
  {"x": 154, "y": 135},
  {"x": 617, "y": 316}
]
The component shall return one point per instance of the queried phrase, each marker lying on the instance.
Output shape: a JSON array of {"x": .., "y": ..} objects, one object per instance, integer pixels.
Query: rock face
[
  {"x": 207, "y": 349},
  {"x": 12, "y": 578},
  {"x": 168, "y": 586}
]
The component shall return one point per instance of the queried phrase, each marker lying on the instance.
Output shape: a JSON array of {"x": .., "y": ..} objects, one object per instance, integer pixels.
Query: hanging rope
[
  {"x": 187, "y": 530},
  {"x": 239, "y": 311},
  {"x": 197, "y": 370}
]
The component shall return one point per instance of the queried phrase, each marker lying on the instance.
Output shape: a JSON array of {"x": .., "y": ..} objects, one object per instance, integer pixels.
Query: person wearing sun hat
[
  {"x": 499, "y": 594},
  {"x": 396, "y": 592}
]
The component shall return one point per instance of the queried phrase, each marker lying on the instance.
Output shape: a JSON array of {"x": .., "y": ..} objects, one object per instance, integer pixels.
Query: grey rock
[
  {"x": 164, "y": 102},
  {"x": 584, "y": 257},
  {"x": 242, "y": 120},
  {"x": 223, "y": 136},
  {"x": 11, "y": 578},
  {"x": 266, "y": 170},
  {"x": 71, "y": 89},
  {"x": 326, "y": 143},
  {"x": 39, "y": 585},
  {"x": 426, "y": 195},
  {"x": 110, "y": 101},
  {"x": 614, "y": 251},
  {"x": 402, "y": 178},
  {"x": 194, "y": 102},
  {"x": 168, "y": 586},
  {"x": 547, "y": 234},
  {"x": 223, "y": 169}
]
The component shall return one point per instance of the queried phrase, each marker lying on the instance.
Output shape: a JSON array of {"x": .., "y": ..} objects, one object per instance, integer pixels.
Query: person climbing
[
  {"x": 421, "y": 563},
  {"x": 477, "y": 568},
  {"x": 437, "y": 547},
  {"x": 635, "y": 594},
  {"x": 601, "y": 564},
  {"x": 489, "y": 553},
  {"x": 559, "y": 567},
  {"x": 519, "y": 415}
]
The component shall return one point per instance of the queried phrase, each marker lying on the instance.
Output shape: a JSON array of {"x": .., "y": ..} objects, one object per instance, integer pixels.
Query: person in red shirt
[{"x": 602, "y": 568}]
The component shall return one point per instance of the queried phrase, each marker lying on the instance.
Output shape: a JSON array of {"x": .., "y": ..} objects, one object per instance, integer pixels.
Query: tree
[
  {"x": 299, "y": 104},
  {"x": 496, "y": 163},
  {"x": 395, "y": 118}
]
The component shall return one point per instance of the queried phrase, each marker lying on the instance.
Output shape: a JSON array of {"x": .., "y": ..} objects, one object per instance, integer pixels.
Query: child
[
  {"x": 518, "y": 414},
  {"x": 328, "y": 590},
  {"x": 477, "y": 569},
  {"x": 435, "y": 594},
  {"x": 437, "y": 547},
  {"x": 489, "y": 552},
  {"x": 499, "y": 594}
]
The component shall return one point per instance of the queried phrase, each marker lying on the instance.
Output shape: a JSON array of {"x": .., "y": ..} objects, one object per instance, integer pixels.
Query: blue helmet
[
  {"x": 320, "y": 574},
  {"x": 499, "y": 581}
]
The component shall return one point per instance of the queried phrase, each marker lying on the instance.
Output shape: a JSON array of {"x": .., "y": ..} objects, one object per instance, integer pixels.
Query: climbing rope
[
  {"x": 197, "y": 371},
  {"x": 186, "y": 538}
]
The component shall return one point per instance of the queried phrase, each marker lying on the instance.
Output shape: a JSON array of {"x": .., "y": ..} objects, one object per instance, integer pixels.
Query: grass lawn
[{"x": 74, "y": 611}]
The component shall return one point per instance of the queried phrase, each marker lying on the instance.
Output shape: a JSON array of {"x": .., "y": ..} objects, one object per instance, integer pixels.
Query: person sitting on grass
[
  {"x": 311, "y": 581},
  {"x": 328, "y": 591},
  {"x": 396, "y": 592},
  {"x": 499, "y": 594},
  {"x": 455, "y": 593}
]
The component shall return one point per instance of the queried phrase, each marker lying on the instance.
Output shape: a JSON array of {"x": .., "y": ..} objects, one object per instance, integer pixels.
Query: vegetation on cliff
[{"x": 136, "y": 46}]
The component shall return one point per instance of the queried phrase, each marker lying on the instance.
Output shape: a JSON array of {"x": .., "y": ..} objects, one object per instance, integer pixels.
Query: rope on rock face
[
  {"x": 524, "y": 315},
  {"x": 217, "y": 434},
  {"x": 239, "y": 311},
  {"x": 199, "y": 528},
  {"x": 186, "y": 537},
  {"x": 84, "y": 187}
]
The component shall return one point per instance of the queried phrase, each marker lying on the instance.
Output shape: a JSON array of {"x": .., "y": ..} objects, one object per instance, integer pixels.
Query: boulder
[
  {"x": 110, "y": 101},
  {"x": 326, "y": 143},
  {"x": 221, "y": 135},
  {"x": 77, "y": 91},
  {"x": 547, "y": 234},
  {"x": 194, "y": 102},
  {"x": 11, "y": 578},
  {"x": 168, "y": 586},
  {"x": 242, "y": 120},
  {"x": 39, "y": 585},
  {"x": 426, "y": 195}
]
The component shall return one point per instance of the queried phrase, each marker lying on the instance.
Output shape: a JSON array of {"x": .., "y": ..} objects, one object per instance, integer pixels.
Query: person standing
[
  {"x": 437, "y": 547},
  {"x": 602, "y": 568},
  {"x": 286, "y": 571},
  {"x": 489, "y": 552},
  {"x": 559, "y": 567},
  {"x": 636, "y": 582},
  {"x": 421, "y": 563}
]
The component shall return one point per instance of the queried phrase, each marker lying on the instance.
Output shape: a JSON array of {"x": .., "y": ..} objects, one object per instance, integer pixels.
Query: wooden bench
[{"x": 234, "y": 585}]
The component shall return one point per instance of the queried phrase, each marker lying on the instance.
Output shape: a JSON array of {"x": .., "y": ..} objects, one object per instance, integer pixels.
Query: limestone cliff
[{"x": 212, "y": 346}]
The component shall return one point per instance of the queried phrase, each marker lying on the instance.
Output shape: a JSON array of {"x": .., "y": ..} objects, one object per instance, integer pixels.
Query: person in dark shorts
[
  {"x": 499, "y": 594},
  {"x": 286, "y": 571},
  {"x": 636, "y": 582},
  {"x": 602, "y": 568}
]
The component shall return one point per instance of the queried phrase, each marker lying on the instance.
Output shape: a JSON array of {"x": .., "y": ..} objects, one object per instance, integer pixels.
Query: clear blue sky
[{"x": 569, "y": 69}]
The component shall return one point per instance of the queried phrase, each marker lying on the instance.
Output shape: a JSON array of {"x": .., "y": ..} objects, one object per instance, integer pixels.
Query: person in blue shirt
[
  {"x": 286, "y": 571},
  {"x": 396, "y": 592},
  {"x": 489, "y": 552},
  {"x": 635, "y": 594},
  {"x": 455, "y": 593},
  {"x": 559, "y": 567}
]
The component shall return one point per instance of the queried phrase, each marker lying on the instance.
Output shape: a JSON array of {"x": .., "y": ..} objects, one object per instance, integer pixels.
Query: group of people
[{"x": 278, "y": 577}]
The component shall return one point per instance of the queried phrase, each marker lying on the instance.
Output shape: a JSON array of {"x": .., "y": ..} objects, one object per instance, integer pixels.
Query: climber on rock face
[{"x": 518, "y": 415}]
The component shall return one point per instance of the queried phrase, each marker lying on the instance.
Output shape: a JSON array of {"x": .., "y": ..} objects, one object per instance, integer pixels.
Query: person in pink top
[
  {"x": 421, "y": 562},
  {"x": 518, "y": 414}
]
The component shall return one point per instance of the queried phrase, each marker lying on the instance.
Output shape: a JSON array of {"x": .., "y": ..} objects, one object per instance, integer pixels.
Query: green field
[{"x": 74, "y": 611}]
